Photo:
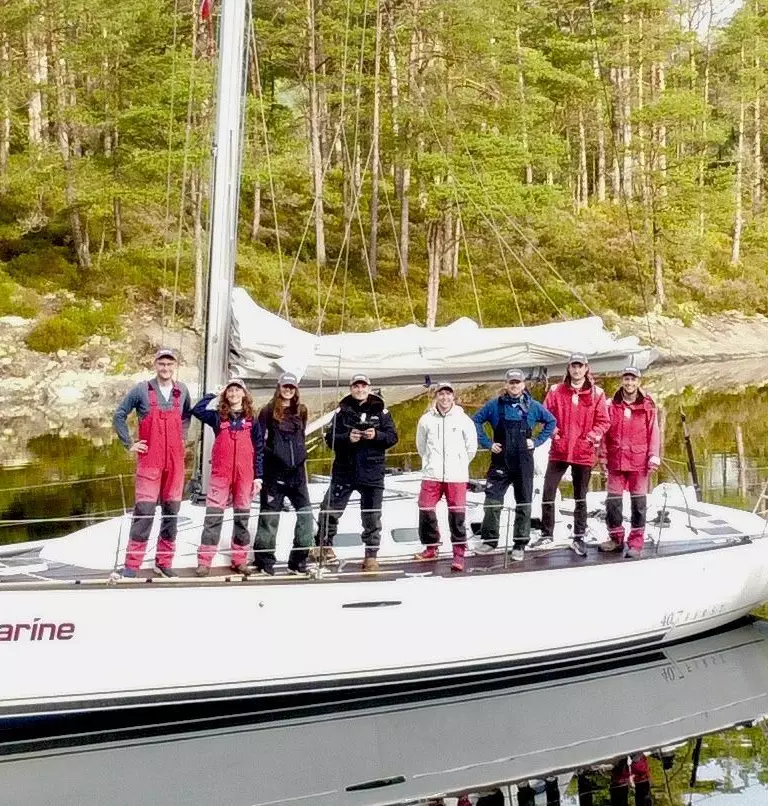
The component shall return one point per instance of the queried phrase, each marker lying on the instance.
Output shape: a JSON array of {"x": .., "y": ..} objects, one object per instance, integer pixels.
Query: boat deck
[{"x": 32, "y": 571}]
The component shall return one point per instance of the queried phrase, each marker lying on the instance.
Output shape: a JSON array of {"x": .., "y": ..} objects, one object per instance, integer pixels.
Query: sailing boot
[
  {"x": 615, "y": 541},
  {"x": 635, "y": 543},
  {"x": 457, "y": 564},
  {"x": 429, "y": 554},
  {"x": 370, "y": 563}
]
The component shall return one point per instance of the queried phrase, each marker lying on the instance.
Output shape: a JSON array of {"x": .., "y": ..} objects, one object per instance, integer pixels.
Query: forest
[{"x": 405, "y": 160}]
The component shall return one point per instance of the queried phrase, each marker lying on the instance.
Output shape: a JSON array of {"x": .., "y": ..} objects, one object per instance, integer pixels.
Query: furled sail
[{"x": 263, "y": 345}]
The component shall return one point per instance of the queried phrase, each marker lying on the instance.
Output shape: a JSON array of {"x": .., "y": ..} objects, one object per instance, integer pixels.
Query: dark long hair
[
  {"x": 225, "y": 410},
  {"x": 294, "y": 408}
]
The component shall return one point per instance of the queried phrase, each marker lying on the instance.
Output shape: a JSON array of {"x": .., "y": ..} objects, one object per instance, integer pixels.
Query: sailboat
[{"x": 74, "y": 641}]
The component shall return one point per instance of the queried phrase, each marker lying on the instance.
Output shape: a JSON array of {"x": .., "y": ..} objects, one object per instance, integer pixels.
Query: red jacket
[
  {"x": 633, "y": 437},
  {"x": 582, "y": 419}
]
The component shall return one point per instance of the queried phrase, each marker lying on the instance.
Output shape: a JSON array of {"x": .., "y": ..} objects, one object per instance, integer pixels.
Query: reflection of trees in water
[{"x": 63, "y": 481}]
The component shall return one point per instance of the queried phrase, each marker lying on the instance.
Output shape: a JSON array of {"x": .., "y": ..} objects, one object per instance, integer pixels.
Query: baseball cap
[
  {"x": 360, "y": 378},
  {"x": 288, "y": 379},
  {"x": 514, "y": 375},
  {"x": 444, "y": 385},
  {"x": 236, "y": 382},
  {"x": 165, "y": 352},
  {"x": 578, "y": 358},
  {"x": 631, "y": 371}
]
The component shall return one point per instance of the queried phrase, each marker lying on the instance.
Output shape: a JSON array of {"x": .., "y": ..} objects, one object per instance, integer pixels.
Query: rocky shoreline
[{"x": 76, "y": 391}]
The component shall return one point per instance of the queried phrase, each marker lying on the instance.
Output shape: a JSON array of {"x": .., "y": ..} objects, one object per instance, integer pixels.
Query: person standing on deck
[
  {"x": 581, "y": 411},
  {"x": 284, "y": 422},
  {"x": 163, "y": 408},
  {"x": 237, "y": 462},
  {"x": 514, "y": 417},
  {"x": 360, "y": 433},
  {"x": 631, "y": 451},
  {"x": 447, "y": 442}
]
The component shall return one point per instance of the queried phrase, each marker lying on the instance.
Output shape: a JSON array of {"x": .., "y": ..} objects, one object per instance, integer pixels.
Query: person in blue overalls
[{"x": 519, "y": 425}]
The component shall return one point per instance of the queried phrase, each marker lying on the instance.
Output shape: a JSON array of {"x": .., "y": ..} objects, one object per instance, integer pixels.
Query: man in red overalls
[{"x": 163, "y": 408}]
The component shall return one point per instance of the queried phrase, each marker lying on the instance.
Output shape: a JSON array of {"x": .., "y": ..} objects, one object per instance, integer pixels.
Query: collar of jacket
[
  {"x": 642, "y": 400},
  {"x": 372, "y": 403},
  {"x": 524, "y": 401},
  {"x": 454, "y": 411}
]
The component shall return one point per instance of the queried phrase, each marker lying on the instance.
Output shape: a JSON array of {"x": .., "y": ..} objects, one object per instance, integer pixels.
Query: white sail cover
[{"x": 264, "y": 345}]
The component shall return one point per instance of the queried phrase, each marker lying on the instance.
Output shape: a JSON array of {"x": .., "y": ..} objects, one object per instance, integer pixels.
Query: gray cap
[
  {"x": 631, "y": 371},
  {"x": 444, "y": 385},
  {"x": 165, "y": 352},
  {"x": 360, "y": 377},
  {"x": 577, "y": 358},
  {"x": 236, "y": 382},
  {"x": 514, "y": 375},
  {"x": 288, "y": 379}
]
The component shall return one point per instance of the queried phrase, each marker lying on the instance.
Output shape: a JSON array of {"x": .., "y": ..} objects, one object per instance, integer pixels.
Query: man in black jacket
[{"x": 360, "y": 433}]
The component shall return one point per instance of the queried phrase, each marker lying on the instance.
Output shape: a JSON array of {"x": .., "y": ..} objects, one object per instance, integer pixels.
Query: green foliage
[
  {"x": 74, "y": 324},
  {"x": 15, "y": 300}
]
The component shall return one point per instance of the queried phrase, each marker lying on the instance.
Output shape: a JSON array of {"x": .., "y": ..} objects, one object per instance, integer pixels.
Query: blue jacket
[{"x": 493, "y": 411}]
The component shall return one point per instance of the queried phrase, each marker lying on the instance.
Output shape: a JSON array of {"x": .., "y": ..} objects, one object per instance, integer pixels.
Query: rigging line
[
  {"x": 614, "y": 145},
  {"x": 404, "y": 275},
  {"x": 510, "y": 219},
  {"x": 171, "y": 110},
  {"x": 485, "y": 217},
  {"x": 185, "y": 163},
  {"x": 511, "y": 284},
  {"x": 358, "y": 87},
  {"x": 469, "y": 260},
  {"x": 67, "y": 482},
  {"x": 256, "y": 84},
  {"x": 347, "y": 227}
]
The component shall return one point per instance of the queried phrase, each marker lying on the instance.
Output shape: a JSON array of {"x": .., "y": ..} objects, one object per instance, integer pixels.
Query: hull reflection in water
[{"x": 404, "y": 752}]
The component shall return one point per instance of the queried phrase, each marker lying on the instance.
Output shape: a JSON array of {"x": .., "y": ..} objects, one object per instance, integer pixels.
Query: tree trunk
[
  {"x": 117, "y": 209},
  {"x": 627, "y": 185},
  {"x": 738, "y": 214},
  {"x": 373, "y": 237},
  {"x": 198, "y": 247},
  {"x": 37, "y": 73},
  {"x": 449, "y": 245},
  {"x": 616, "y": 124},
  {"x": 63, "y": 99},
  {"x": 316, "y": 157},
  {"x": 661, "y": 86},
  {"x": 583, "y": 184},
  {"x": 5, "y": 103},
  {"x": 256, "y": 217},
  {"x": 434, "y": 252},
  {"x": 741, "y": 454},
  {"x": 523, "y": 106},
  {"x": 599, "y": 123},
  {"x": 757, "y": 176}
]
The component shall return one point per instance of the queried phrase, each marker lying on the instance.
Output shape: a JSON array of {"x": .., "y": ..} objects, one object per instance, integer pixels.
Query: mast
[{"x": 225, "y": 192}]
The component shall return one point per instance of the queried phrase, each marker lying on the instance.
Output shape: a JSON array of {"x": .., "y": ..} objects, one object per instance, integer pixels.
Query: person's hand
[
  {"x": 369, "y": 433},
  {"x": 256, "y": 488},
  {"x": 654, "y": 463},
  {"x": 496, "y": 447},
  {"x": 140, "y": 446},
  {"x": 529, "y": 444},
  {"x": 355, "y": 435}
]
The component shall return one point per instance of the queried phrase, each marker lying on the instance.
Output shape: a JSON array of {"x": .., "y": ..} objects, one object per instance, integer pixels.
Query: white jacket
[{"x": 447, "y": 444}]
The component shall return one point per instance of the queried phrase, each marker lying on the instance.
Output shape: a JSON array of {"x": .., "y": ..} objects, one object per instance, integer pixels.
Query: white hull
[
  {"x": 132, "y": 643},
  {"x": 416, "y": 750}
]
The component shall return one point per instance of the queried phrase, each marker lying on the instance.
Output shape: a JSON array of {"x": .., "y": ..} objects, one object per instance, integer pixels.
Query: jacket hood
[{"x": 589, "y": 382}]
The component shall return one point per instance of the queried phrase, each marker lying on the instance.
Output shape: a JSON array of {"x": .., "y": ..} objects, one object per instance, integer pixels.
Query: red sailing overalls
[
  {"x": 232, "y": 477},
  {"x": 159, "y": 479}
]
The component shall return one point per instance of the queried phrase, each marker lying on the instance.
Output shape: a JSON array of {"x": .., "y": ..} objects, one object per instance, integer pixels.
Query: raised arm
[{"x": 206, "y": 416}]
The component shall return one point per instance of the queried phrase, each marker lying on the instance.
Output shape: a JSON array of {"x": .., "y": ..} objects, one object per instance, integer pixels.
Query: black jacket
[
  {"x": 360, "y": 462},
  {"x": 285, "y": 447}
]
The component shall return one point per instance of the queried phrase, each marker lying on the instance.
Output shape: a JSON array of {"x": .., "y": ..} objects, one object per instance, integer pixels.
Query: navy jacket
[
  {"x": 285, "y": 447},
  {"x": 360, "y": 462},
  {"x": 211, "y": 417},
  {"x": 502, "y": 408}
]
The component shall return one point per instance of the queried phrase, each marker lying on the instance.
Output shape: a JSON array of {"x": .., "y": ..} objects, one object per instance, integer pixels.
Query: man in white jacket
[{"x": 446, "y": 440}]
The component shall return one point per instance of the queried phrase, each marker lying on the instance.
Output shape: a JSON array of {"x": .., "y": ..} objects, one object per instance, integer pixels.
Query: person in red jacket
[
  {"x": 581, "y": 411},
  {"x": 631, "y": 451},
  {"x": 237, "y": 463}
]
